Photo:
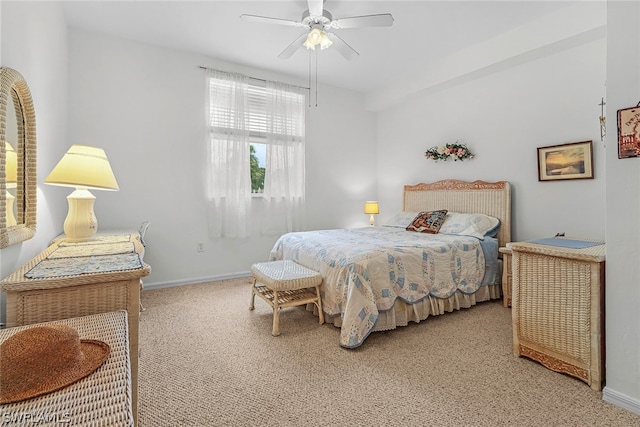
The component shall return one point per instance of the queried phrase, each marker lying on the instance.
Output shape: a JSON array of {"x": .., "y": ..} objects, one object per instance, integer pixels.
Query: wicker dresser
[
  {"x": 78, "y": 279},
  {"x": 101, "y": 399},
  {"x": 558, "y": 308}
]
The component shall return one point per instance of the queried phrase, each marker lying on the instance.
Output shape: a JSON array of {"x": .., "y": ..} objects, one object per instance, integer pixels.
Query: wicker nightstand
[{"x": 558, "y": 308}]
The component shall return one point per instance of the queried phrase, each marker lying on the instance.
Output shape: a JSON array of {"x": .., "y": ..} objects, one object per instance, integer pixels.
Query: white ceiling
[{"x": 423, "y": 32}]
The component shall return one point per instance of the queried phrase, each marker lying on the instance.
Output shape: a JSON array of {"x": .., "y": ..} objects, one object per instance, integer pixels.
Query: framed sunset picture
[{"x": 566, "y": 161}]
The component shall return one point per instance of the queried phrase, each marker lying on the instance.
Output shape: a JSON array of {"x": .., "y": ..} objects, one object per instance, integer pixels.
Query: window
[
  {"x": 256, "y": 146},
  {"x": 257, "y": 165},
  {"x": 256, "y": 122}
]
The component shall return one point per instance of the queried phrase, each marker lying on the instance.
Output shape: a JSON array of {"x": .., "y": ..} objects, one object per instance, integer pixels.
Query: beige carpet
[{"x": 206, "y": 360}]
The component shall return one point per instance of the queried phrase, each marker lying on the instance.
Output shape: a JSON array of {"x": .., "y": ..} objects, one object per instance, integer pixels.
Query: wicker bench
[
  {"x": 285, "y": 284},
  {"x": 104, "y": 398}
]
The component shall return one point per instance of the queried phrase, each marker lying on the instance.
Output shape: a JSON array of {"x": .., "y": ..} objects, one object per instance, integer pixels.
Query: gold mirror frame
[{"x": 13, "y": 84}]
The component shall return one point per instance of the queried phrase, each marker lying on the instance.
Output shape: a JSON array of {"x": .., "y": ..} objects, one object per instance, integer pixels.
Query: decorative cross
[{"x": 603, "y": 120}]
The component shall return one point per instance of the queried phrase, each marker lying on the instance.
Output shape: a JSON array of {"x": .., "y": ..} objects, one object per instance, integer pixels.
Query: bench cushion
[{"x": 285, "y": 275}]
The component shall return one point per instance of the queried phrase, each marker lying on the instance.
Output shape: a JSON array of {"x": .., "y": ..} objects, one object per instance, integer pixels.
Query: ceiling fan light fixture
[
  {"x": 309, "y": 45},
  {"x": 315, "y": 36},
  {"x": 325, "y": 42},
  {"x": 316, "y": 20}
]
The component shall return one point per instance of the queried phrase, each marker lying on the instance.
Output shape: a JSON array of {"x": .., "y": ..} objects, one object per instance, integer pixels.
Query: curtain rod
[{"x": 255, "y": 78}]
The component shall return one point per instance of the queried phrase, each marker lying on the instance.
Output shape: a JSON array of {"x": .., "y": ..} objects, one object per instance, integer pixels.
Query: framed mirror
[{"x": 18, "y": 148}]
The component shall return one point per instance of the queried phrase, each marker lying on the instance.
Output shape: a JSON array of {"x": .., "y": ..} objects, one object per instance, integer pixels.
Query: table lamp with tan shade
[
  {"x": 371, "y": 208},
  {"x": 84, "y": 168}
]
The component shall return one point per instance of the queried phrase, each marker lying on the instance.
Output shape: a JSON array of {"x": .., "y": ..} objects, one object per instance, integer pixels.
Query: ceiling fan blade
[
  {"x": 293, "y": 47},
  {"x": 268, "y": 20},
  {"x": 381, "y": 20},
  {"x": 345, "y": 50},
  {"x": 315, "y": 7}
]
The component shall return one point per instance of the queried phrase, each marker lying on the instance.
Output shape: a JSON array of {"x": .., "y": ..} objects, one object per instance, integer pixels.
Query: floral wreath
[{"x": 453, "y": 151}]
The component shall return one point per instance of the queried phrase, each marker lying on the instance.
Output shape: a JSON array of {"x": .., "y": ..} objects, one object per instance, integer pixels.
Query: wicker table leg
[
  {"x": 276, "y": 315},
  {"x": 319, "y": 304},
  {"x": 253, "y": 295}
]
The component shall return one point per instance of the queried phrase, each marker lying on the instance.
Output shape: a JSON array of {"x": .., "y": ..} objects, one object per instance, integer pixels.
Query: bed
[{"x": 380, "y": 278}]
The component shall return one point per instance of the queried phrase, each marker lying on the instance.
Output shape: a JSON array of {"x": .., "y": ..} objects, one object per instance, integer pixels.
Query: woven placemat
[
  {"x": 99, "y": 240},
  {"x": 90, "y": 250},
  {"x": 60, "y": 267}
]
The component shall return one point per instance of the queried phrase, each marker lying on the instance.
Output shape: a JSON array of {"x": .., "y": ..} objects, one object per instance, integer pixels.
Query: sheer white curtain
[
  {"x": 284, "y": 185},
  {"x": 228, "y": 174}
]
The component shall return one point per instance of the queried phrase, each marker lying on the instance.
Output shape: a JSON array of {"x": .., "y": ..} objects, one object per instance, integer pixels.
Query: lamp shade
[
  {"x": 84, "y": 166},
  {"x": 11, "y": 163},
  {"x": 371, "y": 208}
]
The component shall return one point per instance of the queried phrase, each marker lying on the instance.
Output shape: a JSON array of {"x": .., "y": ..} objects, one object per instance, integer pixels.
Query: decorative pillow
[
  {"x": 465, "y": 224},
  {"x": 428, "y": 222},
  {"x": 401, "y": 219}
]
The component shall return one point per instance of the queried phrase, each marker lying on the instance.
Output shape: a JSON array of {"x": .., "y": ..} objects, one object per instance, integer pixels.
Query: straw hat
[{"x": 46, "y": 358}]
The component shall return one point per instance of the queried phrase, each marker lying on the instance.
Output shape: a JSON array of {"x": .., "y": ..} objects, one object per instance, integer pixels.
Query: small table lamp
[
  {"x": 11, "y": 163},
  {"x": 372, "y": 209},
  {"x": 84, "y": 168}
]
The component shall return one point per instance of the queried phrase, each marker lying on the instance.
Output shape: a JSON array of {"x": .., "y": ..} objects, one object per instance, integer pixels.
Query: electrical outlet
[{"x": 200, "y": 247}]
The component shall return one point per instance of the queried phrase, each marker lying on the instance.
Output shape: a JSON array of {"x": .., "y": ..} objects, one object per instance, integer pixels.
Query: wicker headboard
[{"x": 489, "y": 198}]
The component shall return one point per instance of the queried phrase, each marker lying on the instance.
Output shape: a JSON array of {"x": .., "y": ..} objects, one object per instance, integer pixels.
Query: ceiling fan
[{"x": 319, "y": 22}]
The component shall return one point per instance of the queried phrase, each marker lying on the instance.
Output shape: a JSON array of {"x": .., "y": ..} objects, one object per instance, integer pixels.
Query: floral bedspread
[{"x": 365, "y": 270}]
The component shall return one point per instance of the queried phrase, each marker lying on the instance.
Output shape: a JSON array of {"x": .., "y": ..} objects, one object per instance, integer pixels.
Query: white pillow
[
  {"x": 465, "y": 224},
  {"x": 401, "y": 219}
]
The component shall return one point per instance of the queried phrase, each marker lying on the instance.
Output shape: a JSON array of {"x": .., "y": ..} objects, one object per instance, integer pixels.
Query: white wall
[
  {"x": 34, "y": 42},
  {"x": 623, "y": 213},
  {"x": 503, "y": 117},
  {"x": 145, "y": 106}
]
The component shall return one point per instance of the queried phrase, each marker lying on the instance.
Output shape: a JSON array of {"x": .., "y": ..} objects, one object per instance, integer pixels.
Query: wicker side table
[
  {"x": 285, "y": 283},
  {"x": 101, "y": 399},
  {"x": 558, "y": 308}
]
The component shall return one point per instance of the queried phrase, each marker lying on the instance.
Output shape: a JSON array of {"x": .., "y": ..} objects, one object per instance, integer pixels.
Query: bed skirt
[{"x": 402, "y": 313}]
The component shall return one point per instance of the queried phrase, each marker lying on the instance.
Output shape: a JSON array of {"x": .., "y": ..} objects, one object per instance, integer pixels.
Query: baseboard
[
  {"x": 621, "y": 400},
  {"x": 197, "y": 280}
]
